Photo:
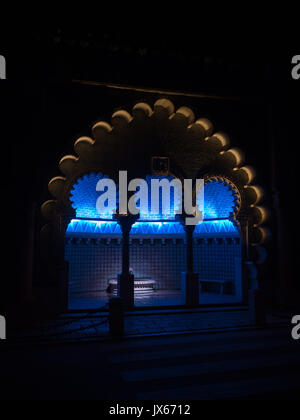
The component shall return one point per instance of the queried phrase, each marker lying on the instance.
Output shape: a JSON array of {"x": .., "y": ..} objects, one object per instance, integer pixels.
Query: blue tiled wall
[{"x": 92, "y": 264}]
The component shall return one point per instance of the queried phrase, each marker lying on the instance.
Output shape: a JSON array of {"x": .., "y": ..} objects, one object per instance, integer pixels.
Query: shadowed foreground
[{"x": 241, "y": 364}]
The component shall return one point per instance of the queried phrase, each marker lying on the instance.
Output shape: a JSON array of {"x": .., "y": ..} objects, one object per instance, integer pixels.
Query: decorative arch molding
[
  {"x": 230, "y": 189},
  {"x": 192, "y": 146}
]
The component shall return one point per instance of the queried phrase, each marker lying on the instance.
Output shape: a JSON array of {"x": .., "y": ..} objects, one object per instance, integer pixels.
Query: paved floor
[
  {"x": 256, "y": 364},
  {"x": 88, "y": 326},
  {"x": 98, "y": 299},
  {"x": 94, "y": 300}
]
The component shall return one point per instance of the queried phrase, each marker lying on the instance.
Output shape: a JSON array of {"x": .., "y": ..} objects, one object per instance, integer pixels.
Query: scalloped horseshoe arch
[{"x": 193, "y": 148}]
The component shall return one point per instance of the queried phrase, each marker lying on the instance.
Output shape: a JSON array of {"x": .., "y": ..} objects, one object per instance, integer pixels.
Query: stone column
[
  {"x": 58, "y": 268},
  {"x": 256, "y": 297},
  {"x": 244, "y": 226},
  {"x": 189, "y": 279},
  {"x": 125, "y": 279},
  {"x": 252, "y": 293},
  {"x": 62, "y": 264},
  {"x": 244, "y": 232},
  {"x": 189, "y": 231}
]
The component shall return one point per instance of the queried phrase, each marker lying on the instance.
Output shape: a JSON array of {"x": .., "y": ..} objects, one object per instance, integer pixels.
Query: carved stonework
[{"x": 189, "y": 147}]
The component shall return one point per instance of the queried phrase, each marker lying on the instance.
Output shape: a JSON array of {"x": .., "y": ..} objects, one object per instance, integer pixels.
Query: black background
[{"x": 43, "y": 110}]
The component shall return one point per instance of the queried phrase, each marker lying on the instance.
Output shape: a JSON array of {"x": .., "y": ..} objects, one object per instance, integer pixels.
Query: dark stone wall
[{"x": 43, "y": 112}]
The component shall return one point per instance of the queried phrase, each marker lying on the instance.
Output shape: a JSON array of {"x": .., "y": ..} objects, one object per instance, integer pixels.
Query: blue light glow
[
  {"x": 216, "y": 227},
  {"x": 145, "y": 214},
  {"x": 219, "y": 200},
  {"x": 111, "y": 228},
  {"x": 93, "y": 227},
  {"x": 157, "y": 228},
  {"x": 84, "y": 197}
]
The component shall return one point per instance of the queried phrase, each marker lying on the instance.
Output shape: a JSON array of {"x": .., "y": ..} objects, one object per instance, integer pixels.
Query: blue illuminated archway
[
  {"x": 84, "y": 197},
  {"x": 219, "y": 200}
]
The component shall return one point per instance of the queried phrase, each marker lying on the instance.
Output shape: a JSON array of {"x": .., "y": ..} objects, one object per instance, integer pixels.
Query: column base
[
  {"x": 126, "y": 290},
  {"x": 190, "y": 288},
  {"x": 116, "y": 317}
]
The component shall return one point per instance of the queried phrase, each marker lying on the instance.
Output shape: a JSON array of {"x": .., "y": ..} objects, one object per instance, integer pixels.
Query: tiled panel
[
  {"x": 216, "y": 261},
  {"x": 84, "y": 197},
  {"x": 163, "y": 261},
  {"x": 92, "y": 264},
  {"x": 93, "y": 261}
]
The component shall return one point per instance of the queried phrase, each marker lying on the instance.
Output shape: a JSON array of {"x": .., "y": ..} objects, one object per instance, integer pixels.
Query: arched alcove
[{"x": 233, "y": 214}]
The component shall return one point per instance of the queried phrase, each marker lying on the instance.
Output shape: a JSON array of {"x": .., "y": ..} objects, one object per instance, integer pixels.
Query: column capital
[
  {"x": 126, "y": 221},
  {"x": 181, "y": 219}
]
